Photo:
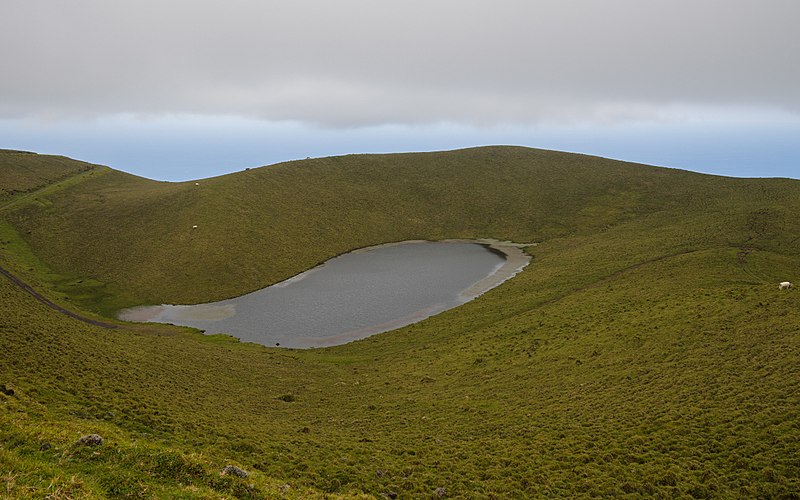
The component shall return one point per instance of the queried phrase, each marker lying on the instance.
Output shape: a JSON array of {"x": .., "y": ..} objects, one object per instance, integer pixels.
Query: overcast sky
[{"x": 184, "y": 89}]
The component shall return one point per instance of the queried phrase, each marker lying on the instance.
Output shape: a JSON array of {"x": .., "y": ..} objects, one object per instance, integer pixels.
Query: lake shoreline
[{"x": 514, "y": 260}]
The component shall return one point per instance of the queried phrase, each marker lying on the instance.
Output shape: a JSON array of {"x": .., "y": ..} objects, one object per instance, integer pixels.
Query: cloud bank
[{"x": 355, "y": 63}]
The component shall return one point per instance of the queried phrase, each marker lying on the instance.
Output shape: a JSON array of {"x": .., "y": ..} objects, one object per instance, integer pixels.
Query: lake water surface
[{"x": 352, "y": 296}]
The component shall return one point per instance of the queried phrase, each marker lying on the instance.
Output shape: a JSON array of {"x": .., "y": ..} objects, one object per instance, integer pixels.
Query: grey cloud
[{"x": 350, "y": 63}]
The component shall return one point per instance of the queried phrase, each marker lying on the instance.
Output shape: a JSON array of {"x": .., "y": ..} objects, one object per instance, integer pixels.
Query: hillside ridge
[{"x": 246, "y": 236}]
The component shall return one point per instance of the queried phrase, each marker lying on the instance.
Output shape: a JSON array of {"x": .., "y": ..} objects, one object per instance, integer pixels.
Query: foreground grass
[
  {"x": 41, "y": 458},
  {"x": 646, "y": 351}
]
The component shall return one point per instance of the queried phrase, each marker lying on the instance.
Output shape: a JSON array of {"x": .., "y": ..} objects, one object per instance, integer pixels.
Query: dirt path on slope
[
  {"x": 17, "y": 281},
  {"x": 52, "y": 305}
]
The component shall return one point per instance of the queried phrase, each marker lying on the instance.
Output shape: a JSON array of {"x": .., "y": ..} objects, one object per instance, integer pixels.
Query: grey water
[{"x": 348, "y": 298}]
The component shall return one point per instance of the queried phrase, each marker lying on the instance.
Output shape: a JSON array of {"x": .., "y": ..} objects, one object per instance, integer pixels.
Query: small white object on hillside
[
  {"x": 194, "y": 227},
  {"x": 785, "y": 285},
  {"x": 196, "y": 183}
]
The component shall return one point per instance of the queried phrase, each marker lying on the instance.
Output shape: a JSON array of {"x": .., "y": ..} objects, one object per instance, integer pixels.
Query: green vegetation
[
  {"x": 41, "y": 457},
  {"x": 24, "y": 172},
  {"x": 646, "y": 351}
]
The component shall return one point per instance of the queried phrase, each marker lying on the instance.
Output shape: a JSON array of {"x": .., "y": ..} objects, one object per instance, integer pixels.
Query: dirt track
[{"x": 52, "y": 304}]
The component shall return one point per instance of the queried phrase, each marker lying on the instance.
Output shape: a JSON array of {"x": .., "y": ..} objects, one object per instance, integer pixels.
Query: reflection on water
[{"x": 349, "y": 297}]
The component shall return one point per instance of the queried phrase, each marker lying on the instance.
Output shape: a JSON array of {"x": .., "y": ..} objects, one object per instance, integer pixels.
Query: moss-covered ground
[{"x": 645, "y": 351}]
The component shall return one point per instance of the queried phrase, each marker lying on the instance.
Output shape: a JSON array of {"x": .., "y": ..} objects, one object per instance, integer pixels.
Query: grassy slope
[
  {"x": 23, "y": 172},
  {"x": 263, "y": 225},
  {"x": 645, "y": 350},
  {"x": 71, "y": 379}
]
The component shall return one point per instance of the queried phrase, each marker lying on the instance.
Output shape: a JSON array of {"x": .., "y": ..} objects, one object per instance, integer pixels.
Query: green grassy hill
[
  {"x": 645, "y": 351},
  {"x": 24, "y": 172}
]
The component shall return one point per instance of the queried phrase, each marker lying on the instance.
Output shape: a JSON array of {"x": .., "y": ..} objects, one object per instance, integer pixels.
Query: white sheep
[{"x": 785, "y": 285}]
